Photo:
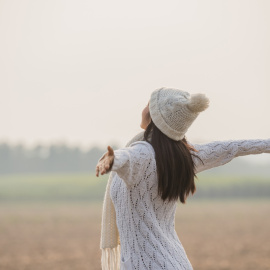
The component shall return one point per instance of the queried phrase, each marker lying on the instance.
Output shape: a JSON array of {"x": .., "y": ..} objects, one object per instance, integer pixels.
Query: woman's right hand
[{"x": 105, "y": 163}]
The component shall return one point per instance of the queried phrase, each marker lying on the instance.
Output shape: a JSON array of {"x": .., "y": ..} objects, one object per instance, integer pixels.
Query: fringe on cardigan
[{"x": 110, "y": 258}]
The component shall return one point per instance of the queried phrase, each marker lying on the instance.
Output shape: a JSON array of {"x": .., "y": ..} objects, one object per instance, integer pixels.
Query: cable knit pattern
[
  {"x": 218, "y": 153},
  {"x": 146, "y": 224}
]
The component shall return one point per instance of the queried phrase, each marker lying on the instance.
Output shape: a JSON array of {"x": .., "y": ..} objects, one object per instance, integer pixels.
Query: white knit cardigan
[{"x": 213, "y": 154}]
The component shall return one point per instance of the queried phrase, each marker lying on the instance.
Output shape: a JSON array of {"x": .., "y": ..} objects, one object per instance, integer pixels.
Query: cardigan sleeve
[
  {"x": 130, "y": 162},
  {"x": 218, "y": 153}
]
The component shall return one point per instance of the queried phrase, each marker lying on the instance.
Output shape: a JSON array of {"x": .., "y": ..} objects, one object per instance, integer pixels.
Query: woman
[{"x": 148, "y": 176}]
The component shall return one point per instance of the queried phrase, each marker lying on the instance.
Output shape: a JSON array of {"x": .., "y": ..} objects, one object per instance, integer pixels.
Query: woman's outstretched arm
[
  {"x": 130, "y": 161},
  {"x": 218, "y": 153}
]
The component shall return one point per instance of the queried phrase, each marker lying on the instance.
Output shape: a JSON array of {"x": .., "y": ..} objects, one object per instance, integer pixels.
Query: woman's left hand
[{"x": 105, "y": 162}]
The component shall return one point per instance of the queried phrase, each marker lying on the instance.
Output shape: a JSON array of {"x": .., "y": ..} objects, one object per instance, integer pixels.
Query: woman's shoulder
[{"x": 144, "y": 145}]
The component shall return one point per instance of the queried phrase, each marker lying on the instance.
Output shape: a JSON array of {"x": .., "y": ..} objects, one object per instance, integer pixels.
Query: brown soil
[{"x": 216, "y": 235}]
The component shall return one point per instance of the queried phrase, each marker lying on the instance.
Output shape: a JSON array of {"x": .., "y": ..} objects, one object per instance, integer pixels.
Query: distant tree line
[
  {"x": 58, "y": 158},
  {"x": 53, "y": 158}
]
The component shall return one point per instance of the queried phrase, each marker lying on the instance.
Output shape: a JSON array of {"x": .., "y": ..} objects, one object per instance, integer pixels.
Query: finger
[
  {"x": 97, "y": 171},
  {"x": 106, "y": 167},
  {"x": 110, "y": 150},
  {"x": 103, "y": 170}
]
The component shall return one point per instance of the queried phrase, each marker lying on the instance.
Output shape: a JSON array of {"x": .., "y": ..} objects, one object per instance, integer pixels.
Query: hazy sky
[{"x": 82, "y": 71}]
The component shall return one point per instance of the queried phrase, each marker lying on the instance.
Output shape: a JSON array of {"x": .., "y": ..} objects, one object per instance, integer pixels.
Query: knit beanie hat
[{"x": 173, "y": 110}]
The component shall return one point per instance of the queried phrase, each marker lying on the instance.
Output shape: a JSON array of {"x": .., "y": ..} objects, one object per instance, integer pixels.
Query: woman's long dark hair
[{"x": 175, "y": 166}]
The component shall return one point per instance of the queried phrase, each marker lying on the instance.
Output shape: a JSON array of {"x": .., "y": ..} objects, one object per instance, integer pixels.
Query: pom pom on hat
[{"x": 198, "y": 103}]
